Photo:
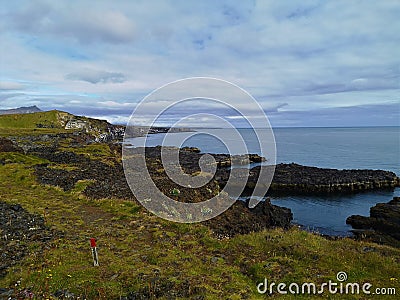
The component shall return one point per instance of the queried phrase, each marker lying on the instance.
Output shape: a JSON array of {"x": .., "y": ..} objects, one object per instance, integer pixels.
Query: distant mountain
[{"x": 20, "y": 110}]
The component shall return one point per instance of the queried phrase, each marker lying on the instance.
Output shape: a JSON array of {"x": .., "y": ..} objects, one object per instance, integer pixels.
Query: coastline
[
  {"x": 282, "y": 188},
  {"x": 329, "y": 205},
  {"x": 75, "y": 187}
]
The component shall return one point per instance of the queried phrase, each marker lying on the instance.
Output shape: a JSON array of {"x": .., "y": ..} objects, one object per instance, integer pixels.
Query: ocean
[{"x": 340, "y": 148}]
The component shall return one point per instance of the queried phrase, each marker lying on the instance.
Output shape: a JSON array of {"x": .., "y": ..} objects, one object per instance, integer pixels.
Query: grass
[
  {"x": 18, "y": 158},
  {"x": 97, "y": 151},
  {"x": 11, "y": 131},
  {"x": 46, "y": 122},
  {"x": 138, "y": 250},
  {"x": 49, "y": 119}
]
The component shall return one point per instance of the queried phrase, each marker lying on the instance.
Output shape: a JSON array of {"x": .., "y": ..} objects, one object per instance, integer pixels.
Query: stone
[
  {"x": 15, "y": 226},
  {"x": 295, "y": 179},
  {"x": 383, "y": 224}
]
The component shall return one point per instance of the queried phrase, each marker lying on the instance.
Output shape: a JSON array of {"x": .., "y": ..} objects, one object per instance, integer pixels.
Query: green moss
[
  {"x": 80, "y": 185},
  {"x": 10, "y": 131},
  {"x": 96, "y": 151},
  {"x": 13, "y": 157}
]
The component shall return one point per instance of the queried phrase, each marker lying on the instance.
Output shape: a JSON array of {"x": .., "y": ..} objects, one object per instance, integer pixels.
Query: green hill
[
  {"x": 47, "y": 119},
  {"x": 51, "y": 119},
  {"x": 54, "y": 122}
]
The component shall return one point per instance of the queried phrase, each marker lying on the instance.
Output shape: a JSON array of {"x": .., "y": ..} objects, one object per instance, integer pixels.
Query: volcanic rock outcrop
[{"x": 383, "y": 224}]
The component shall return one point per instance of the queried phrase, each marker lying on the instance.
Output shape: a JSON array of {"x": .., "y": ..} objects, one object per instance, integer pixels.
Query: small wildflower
[
  {"x": 70, "y": 276},
  {"x": 393, "y": 279}
]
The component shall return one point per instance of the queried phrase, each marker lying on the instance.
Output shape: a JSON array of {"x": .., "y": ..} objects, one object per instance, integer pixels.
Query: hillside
[
  {"x": 20, "y": 110},
  {"x": 49, "y": 119},
  {"x": 55, "y": 121}
]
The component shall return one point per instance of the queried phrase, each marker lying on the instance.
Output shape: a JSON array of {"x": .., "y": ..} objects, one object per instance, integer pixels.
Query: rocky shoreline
[
  {"x": 288, "y": 179},
  {"x": 295, "y": 179},
  {"x": 106, "y": 179},
  {"x": 382, "y": 226},
  {"x": 109, "y": 181}
]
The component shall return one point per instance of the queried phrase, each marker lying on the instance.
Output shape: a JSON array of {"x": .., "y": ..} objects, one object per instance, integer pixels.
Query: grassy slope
[
  {"x": 54, "y": 120},
  {"x": 8, "y": 131},
  {"x": 135, "y": 245},
  {"x": 30, "y": 120}
]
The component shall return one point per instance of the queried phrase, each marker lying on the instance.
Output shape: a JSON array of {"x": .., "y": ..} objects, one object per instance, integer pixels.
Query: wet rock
[
  {"x": 277, "y": 216},
  {"x": 294, "y": 179},
  {"x": 360, "y": 222},
  {"x": 240, "y": 219},
  {"x": 383, "y": 224}
]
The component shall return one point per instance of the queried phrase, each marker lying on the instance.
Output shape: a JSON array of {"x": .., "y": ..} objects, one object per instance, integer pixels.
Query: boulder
[
  {"x": 382, "y": 225},
  {"x": 8, "y": 146},
  {"x": 240, "y": 219}
]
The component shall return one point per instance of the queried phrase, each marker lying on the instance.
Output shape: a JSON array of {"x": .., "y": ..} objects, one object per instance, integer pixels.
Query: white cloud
[
  {"x": 84, "y": 23},
  {"x": 113, "y": 104},
  {"x": 309, "y": 54},
  {"x": 96, "y": 76},
  {"x": 11, "y": 85},
  {"x": 113, "y": 119}
]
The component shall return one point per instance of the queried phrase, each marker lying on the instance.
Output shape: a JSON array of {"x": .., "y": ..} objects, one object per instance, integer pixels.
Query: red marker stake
[{"x": 94, "y": 252}]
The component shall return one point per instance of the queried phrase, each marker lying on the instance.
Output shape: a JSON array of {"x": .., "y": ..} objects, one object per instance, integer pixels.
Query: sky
[{"x": 307, "y": 63}]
